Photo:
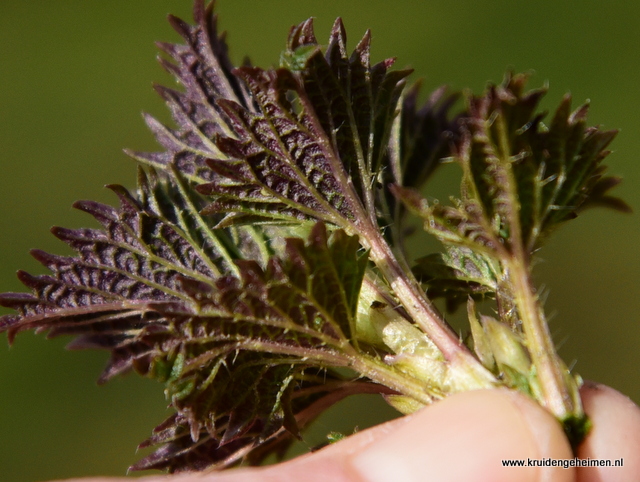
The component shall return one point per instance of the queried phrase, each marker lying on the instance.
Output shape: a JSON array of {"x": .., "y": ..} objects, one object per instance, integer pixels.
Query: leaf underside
[{"x": 246, "y": 354}]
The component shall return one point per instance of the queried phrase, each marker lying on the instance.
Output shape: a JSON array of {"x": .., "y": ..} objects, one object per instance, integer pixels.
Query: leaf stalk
[{"x": 458, "y": 357}]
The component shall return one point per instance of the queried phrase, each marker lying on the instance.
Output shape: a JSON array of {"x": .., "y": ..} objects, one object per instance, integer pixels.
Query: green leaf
[
  {"x": 457, "y": 274},
  {"x": 233, "y": 341},
  {"x": 144, "y": 253},
  {"x": 520, "y": 178},
  {"x": 503, "y": 351},
  {"x": 316, "y": 142},
  {"x": 529, "y": 177},
  {"x": 315, "y": 391},
  {"x": 203, "y": 67},
  {"x": 248, "y": 345},
  {"x": 462, "y": 224},
  {"x": 280, "y": 168}
]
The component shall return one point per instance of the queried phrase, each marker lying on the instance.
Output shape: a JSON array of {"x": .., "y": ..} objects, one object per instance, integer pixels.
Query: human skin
[{"x": 464, "y": 437}]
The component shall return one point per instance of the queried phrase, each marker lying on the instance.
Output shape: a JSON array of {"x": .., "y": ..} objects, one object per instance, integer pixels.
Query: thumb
[{"x": 467, "y": 437}]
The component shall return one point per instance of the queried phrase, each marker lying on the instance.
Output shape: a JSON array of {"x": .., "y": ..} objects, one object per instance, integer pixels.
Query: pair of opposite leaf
[{"x": 259, "y": 272}]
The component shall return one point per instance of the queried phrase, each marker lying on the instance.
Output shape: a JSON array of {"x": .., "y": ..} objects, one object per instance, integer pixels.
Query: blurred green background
[{"x": 75, "y": 76}]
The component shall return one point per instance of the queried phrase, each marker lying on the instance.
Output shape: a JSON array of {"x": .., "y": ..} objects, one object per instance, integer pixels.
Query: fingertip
[
  {"x": 468, "y": 437},
  {"x": 550, "y": 438},
  {"x": 615, "y": 435}
]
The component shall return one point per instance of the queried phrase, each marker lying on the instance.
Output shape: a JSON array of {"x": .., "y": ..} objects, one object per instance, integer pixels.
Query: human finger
[{"x": 615, "y": 435}]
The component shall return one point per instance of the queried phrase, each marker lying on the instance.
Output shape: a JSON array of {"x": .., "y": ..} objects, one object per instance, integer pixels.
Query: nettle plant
[{"x": 259, "y": 270}]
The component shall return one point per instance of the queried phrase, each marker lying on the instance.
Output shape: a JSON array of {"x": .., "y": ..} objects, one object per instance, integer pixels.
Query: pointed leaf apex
[
  {"x": 616, "y": 204},
  {"x": 165, "y": 47},
  {"x": 179, "y": 26},
  {"x": 338, "y": 31},
  {"x": 123, "y": 194},
  {"x": 338, "y": 39},
  {"x": 580, "y": 114},
  {"x": 43, "y": 257},
  {"x": 200, "y": 12},
  {"x": 363, "y": 49},
  {"x": 318, "y": 235},
  {"x": 153, "y": 124},
  {"x": 392, "y": 60},
  {"x": 25, "y": 277},
  {"x": 131, "y": 153},
  {"x": 302, "y": 35}
]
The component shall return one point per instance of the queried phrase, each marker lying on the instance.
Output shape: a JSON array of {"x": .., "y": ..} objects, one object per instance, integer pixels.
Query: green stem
[
  {"x": 559, "y": 390},
  {"x": 468, "y": 373},
  {"x": 385, "y": 375}
]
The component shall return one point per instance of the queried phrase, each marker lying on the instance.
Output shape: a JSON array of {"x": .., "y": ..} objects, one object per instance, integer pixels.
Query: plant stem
[
  {"x": 385, "y": 375},
  {"x": 557, "y": 396},
  {"x": 460, "y": 360}
]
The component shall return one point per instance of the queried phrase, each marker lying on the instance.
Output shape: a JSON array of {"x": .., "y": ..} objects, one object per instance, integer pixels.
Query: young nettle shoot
[{"x": 259, "y": 269}]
